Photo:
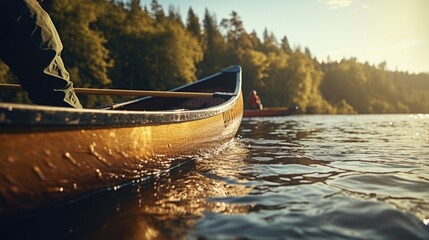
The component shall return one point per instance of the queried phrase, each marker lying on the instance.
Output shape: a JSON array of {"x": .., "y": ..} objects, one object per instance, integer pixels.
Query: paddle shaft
[{"x": 122, "y": 92}]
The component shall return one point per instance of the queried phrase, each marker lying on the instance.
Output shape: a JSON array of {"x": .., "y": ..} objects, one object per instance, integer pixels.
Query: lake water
[{"x": 297, "y": 177}]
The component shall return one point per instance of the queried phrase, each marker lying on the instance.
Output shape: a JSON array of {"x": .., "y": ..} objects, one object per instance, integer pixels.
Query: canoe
[
  {"x": 52, "y": 155},
  {"x": 270, "y": 112}
]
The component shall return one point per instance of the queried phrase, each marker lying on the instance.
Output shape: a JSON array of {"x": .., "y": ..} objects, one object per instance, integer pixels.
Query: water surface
[{"x": 297, "y": 177}]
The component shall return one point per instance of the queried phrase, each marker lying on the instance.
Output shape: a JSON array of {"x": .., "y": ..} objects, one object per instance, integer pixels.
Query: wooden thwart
[{"x": 123, "y": 92}]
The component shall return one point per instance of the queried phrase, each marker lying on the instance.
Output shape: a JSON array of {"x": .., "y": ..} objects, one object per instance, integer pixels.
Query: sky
[{"x": 373, "y": 31}]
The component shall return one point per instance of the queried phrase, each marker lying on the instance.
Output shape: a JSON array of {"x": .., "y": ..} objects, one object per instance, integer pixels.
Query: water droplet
[
  {"x": 50, "y": 164},
  {"x": 68, "y": 156},
  {"x": 38, "y": 117},
  {"x": 99, "y": 174},
  {"x": 110, "y": 152},
  {"x": 39, "y": 173},
  {"x": 14, "y": 189},
  {"x": 93, "y": 121},
  {"x": 11, "y": 159},
  {"x": 96, "y": 154}
]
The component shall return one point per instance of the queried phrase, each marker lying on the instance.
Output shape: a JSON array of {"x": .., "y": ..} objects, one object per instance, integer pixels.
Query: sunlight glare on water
[
  {"x": 347, "y": 177},
  {"x": 296, "y": 177}
]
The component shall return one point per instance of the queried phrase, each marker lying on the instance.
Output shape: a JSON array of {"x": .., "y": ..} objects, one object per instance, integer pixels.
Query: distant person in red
[{"x": 253, "y": 101}]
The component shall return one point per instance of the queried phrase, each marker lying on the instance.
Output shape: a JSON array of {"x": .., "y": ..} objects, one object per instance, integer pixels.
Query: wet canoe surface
[{"x": 51, "y": 155}]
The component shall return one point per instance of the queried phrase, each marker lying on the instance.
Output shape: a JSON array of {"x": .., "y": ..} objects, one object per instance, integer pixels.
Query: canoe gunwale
[{"x": 20, "y": 114}]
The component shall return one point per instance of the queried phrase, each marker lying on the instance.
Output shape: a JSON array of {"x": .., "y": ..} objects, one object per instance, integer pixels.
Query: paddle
[{"x": 122, "y": 92}]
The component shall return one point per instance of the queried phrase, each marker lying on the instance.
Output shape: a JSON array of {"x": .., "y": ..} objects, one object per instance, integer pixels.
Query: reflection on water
[
  {"x": 358, "y": 177},
  {"x": 297, "y": 177},
  {"x": 165, "y": 208}
]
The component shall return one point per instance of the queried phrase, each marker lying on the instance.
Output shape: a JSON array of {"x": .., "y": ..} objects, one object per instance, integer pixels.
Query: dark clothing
[{"x": 31, "y": 46}]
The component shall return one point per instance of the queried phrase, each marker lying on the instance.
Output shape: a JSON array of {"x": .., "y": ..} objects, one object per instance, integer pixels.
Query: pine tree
[
  {"x": 214, "y": 47},
  {"x": 193, "y": 24}
]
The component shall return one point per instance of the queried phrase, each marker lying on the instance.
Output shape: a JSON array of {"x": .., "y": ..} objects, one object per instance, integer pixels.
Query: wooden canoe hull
[
  {"x": 269, "y": 112},
  {"x": 46, "y": 164}
]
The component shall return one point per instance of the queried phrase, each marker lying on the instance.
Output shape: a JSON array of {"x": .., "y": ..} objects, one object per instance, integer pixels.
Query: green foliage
[
  {"x": 254, "y": 65},
  {"x": 193, "y": 24},
  {"x": 176, "y": 53},
  {"x": 370, "y": 89},
  {"x": 214, "y": 47},
  {"x": 122, "y": 44},
  {"x": 85, "y": 54},
  {"x": 6, "y": 76}
]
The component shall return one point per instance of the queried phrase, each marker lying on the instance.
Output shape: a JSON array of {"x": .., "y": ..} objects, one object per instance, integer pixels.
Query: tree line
[{"x": 122, "y": 44}]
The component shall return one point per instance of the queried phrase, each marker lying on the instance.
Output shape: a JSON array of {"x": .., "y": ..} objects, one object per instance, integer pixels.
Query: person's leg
[{"x": 31, "y": 46}]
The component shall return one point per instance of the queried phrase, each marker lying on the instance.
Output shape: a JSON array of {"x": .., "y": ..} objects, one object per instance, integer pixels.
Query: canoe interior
[{"x": 223, "y": 83}]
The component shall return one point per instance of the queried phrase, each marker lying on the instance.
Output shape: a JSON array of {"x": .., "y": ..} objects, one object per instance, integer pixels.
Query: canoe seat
[{"x": 198, "y": 103}]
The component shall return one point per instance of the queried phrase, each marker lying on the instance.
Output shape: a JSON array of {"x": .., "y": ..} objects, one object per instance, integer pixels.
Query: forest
[{"x": 122, "y": 44}]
